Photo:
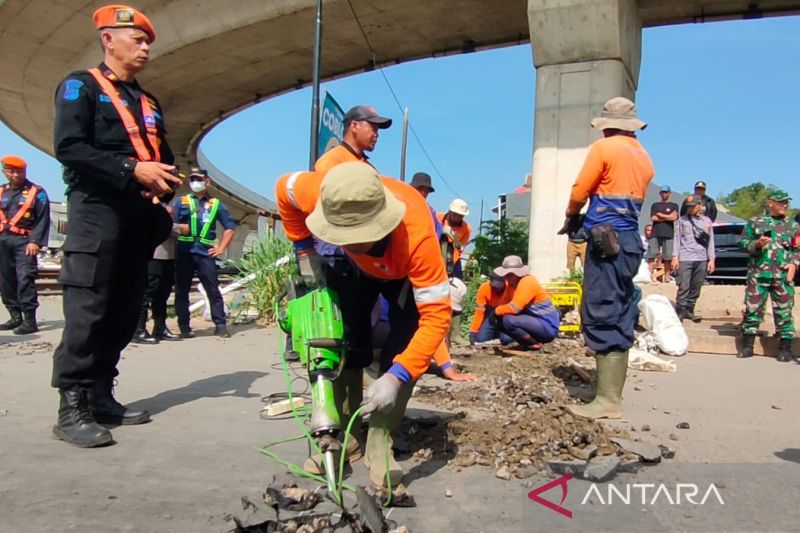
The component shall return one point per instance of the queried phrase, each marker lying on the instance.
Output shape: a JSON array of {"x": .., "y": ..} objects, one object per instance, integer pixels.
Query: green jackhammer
[{"x": 313, "y": 320}]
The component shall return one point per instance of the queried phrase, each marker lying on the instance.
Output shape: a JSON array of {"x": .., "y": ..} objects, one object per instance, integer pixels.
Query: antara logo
[{"x": 629, "y": 494}]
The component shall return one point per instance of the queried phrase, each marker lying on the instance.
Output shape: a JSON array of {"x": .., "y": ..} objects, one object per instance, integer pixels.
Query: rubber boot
[
  {"x": 162, "y": 332},
  {"x": 14, "y": 320},
  {"x": 612, "y": 369},
  {"x": 107, "y": 410},
  {"x": 785, "y": 351},
  {"x": 455, "y": 331},
  {"x": 747, "y": 347},
  {"x": 28, "y": 325},
  {"x": 348, "y": 391},
  {"x": 76, "y": 425},
  {"x": 379, "y": 458}
]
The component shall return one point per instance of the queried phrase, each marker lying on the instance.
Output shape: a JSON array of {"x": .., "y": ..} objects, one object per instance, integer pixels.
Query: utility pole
[
  {"x": 403, "y": 146},
  {"x": 313, "y": 149}
]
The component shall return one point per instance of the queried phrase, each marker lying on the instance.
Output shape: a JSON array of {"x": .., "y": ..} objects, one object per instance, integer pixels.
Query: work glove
[
  {"x": 311, "y": 267},
  {"x": 448, "y": 231},
  {"x": 571, "y": 224},
  {"x": 382, "y": 394}
]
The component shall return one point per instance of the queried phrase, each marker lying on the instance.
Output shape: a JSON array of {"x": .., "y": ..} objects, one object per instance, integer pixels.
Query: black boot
[
  {"x": 187, "y": 333},
  {"x": 222, "y": 331},
  {"x": 785, "y": 351},
  {"x": 14, "y": 321},
  {"x": 28, "y": 325},
  {"x": 76, "y": 424},
  {"x": 107, "y": 410},
  {"x": 681, "y": 312},
  {"x": 747, "y": 346},
  {"x": 161, "y": 331},
  {"x": 693, "y": 317}
]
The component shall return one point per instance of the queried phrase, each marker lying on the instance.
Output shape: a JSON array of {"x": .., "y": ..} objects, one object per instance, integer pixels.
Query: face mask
[{"x": 197, "y": 186}]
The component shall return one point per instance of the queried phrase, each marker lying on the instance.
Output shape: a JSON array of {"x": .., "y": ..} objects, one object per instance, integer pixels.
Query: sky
[{"x": 720, "y": 99}]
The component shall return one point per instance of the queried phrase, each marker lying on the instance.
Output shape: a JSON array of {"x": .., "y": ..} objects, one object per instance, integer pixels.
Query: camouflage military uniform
[{"x": 766, "y": 273}]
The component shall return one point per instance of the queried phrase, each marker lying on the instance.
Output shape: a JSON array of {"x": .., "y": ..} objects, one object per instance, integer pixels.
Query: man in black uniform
[
  {"x": 24, "y": 227},
  {"x": 109, "y": 135}
]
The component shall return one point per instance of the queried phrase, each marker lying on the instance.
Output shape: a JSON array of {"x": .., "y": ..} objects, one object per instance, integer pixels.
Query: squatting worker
[
  {"x": 491, "y": 294},
  {"x": 771, "y": 241},
  {"x": 385, "y": 228},
  {"x": 361, "y": 125},
  {"x": 24, "y": 229},
  {"x": 110, "y": 137},
  {"x": 197, "y": 215},
  {"x": 530, "y": 318},
  {"x": 614, "y": 179}
]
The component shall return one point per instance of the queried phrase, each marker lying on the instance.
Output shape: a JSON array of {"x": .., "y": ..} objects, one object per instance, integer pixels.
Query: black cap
[
  {"x": 198, "y": 171},
  {"x": 700, "y": 185},
  {"x": 364, "y": 112},
  {"x": 422, "y": 179}
]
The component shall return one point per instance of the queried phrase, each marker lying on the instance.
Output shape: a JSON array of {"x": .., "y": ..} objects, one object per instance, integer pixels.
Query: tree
[
  {"x": 748, "y": 201},
  {"x": 498, "y": 239}
]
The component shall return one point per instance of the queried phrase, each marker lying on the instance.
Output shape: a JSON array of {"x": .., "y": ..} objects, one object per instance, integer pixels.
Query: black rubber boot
[
  {"x": 28, "y": 325},
  {"x": 747, "y": 346},
  {"x": 107, "y": 410},
  {"x": 222, "y": 331},
  {"x": 14, "y": 321},
  {"x": 162, "y": 332},
  {"x": 785, "y": 351},
  {"x": 76, "y": 425}
]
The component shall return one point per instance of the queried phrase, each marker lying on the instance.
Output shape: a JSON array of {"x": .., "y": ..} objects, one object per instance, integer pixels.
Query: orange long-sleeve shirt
[
  {"x": 412, "y": 252},
  {"x": 528, "y": 292},
  {"x": 614, "y": 179},
  {"x": 335, "y": 156},
  {"x": 462, "y": 232},
  {"x": 486, "y": 297}
]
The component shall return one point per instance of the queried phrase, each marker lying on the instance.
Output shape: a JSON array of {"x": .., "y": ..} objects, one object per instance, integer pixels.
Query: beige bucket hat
[
  {"x": 620, "y": 114},
  {"x": 354, "y": 206},
  {"x": 512, "y": 264}
]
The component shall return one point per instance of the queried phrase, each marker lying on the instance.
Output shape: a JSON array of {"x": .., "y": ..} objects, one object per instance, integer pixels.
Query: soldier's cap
[
  {"x": 354, "y": 206},
  {"x": 12, "y": 161},
  {"x": 121, "y": 16},
  {"x": 700, "y": 185},
  {"x": 198, "y": 172},
  {"x": 692, "y": 200},
  {"x": 618, "y": 114},
  {"x": 779, "y": 196},
  {"x": 421, "y": 179},
  {"x": 366, "y": 113}
]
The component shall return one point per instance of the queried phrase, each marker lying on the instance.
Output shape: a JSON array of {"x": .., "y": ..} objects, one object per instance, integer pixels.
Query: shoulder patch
[
  {"x": 72, "y": 88},
  {"x": 184, "y": 200}
]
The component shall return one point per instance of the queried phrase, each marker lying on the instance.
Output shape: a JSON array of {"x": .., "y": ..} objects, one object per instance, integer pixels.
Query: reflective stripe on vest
[
  {"x": 212, "y": 218},
  {"x": 134, "y": 133},
  {"x": 11, "y": 225}
]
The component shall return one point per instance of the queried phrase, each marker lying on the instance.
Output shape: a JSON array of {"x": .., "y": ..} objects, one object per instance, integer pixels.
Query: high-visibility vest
[
  {"x": 212, "y": 219},
  {"x": 134, "y": 133},
  {"x": 11, "y": 225}
]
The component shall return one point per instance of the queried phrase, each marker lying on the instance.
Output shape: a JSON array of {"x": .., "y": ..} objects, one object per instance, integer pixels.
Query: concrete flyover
[{"x": 213, "y": 59}]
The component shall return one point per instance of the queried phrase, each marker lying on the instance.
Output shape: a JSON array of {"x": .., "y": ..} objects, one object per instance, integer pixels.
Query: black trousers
[
  {"x": 160, "y": 278},
  {"x": 17, "y": 274},
  {"x": 691, "y": 276},
  {"x": 186, "y": 264},
  {"x": 110, "y": 239}
]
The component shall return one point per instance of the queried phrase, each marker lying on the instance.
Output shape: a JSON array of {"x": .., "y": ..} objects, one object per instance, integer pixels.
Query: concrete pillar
[
  {"x": 234, "y": 252},
  {"x": 585, "y": 52}
]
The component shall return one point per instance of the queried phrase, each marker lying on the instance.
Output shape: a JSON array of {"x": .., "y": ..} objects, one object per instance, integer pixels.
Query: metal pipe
[{"x": 313, "y": 149}]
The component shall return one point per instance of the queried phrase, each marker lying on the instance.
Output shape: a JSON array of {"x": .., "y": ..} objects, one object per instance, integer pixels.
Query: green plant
[
  {"x": 267, "y": 267},
  {"x": 468, "y": 308},
  {"x": 498, "y": 239}
]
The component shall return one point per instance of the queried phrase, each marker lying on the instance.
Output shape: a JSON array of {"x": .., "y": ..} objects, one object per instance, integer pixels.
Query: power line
[{"x": 397, "y": 101}]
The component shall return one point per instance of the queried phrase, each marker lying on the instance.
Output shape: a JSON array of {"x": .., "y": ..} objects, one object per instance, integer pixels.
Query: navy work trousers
[
  {"x": 17, "y": 274},
  {"x": 186, "y": 264},
  {"x": 608, "y": 310}
]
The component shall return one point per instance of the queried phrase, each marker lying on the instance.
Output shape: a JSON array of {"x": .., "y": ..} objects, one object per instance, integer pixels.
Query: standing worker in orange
[
  {"x": 110, "y": 138},
  {"x": 24, "y": 229},
  {"x": 614, "y": 179},
  {"x": 385, "y": 228},
  {"x": 456, "y": 232},
  {"x": 361, "y": 125}
]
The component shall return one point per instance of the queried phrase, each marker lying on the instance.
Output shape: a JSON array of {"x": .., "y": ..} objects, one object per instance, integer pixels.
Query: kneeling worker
[
  {"x": 530, "y": 318},
  {"x": 197, "y": 213},
  {"x": 491, "y": 294},
  {"x": 385, "y": 228}
]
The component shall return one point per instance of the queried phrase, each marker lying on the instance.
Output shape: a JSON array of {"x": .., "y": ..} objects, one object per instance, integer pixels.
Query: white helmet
[{"x": 459, "y": 207}]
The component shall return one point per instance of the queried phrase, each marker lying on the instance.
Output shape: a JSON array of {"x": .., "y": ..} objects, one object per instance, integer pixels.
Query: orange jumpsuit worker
[
  {"x": 491, "y": 294},
  {"x": 385, "y": 228},
  {"x": 530, "y": 317},
  {"x": 456, "y": 231}
]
